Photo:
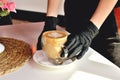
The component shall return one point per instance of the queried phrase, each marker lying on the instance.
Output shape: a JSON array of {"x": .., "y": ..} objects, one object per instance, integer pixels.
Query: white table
[{"x": 92, "y": 62}]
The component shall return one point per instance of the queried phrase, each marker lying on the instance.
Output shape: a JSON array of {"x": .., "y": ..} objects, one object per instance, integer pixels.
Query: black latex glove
[
  {"x": 79, "y": 40},
  {"x": 50, "y": 24}
]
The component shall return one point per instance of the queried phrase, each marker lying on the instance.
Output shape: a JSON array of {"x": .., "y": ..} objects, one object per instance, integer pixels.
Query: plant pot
[{"x": 6, "y": 20}]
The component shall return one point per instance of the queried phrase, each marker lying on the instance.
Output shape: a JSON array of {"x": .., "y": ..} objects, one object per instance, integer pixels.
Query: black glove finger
[
  {"x": 66, "y": 49},
  {"x": 76, "y": 51},
  {"x": 73, "y": 44},
  {"x": 70, "y": 45},
  {"x": 64, "y": 52},
  {"x": 39, "y": 44},
  {"x": 70, "y": 41},
  {"x": 83, "y": 51},
  {"x": 85, "y": 39}
]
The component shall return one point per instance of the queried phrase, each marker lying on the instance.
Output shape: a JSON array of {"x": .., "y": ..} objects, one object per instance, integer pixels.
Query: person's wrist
[{"x": 92, "y": 28}]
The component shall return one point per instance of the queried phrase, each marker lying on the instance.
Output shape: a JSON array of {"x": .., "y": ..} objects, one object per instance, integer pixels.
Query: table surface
[{"x": 92, "y": 62}]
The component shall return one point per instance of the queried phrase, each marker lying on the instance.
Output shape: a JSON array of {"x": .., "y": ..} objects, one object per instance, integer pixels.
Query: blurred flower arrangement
[{"x": 6, "y": 7}]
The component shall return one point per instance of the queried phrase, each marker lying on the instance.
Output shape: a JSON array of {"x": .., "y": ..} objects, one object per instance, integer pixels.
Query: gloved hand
[
  {"x": 50, "y": 24},
  {"x": 79, "y": 40}
]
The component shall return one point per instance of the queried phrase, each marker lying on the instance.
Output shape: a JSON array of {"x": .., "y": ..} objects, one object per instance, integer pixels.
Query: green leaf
[{"x": 4, "y": 13}]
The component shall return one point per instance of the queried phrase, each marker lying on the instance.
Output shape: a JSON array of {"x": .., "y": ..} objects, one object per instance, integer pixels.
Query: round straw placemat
[{"x": 15, "y": 55}]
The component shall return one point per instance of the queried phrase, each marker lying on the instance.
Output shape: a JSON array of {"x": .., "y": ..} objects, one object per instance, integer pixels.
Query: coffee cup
[{"x": 52, "y": 43}]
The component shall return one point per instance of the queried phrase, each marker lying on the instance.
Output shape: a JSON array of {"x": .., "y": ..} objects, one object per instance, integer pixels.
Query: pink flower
[
  {"x": 3, "y": 4},
  {"x": 8, "y": 6},
  {"x": 4, "y": 1},
  {"x": 11, "y": 6}
]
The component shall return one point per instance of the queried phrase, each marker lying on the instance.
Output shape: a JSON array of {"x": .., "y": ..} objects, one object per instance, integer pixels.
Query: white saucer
[
  {"x": 41, "y": 59},
  {"x": 2, "y": 47}
]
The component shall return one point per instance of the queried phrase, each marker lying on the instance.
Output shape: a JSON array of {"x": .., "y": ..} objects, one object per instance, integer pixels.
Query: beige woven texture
[{"x": 15, "y": 55}]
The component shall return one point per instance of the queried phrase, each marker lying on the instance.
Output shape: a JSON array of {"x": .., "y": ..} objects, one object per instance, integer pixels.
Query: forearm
[
  {"x": 103, "y": 10},
  {"x": 53, "y": 7}
]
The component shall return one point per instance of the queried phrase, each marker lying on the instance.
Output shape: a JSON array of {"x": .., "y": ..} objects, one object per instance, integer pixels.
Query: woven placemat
[{"x": 15, "y": 55}]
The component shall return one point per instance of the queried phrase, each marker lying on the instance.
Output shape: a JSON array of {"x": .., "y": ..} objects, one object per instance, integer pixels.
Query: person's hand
[
  {"x": 50, "y": 24},
  {"x": 79, "y": 40}
]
